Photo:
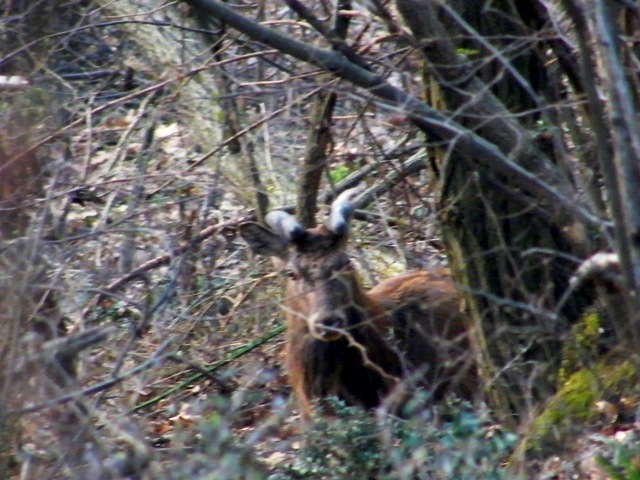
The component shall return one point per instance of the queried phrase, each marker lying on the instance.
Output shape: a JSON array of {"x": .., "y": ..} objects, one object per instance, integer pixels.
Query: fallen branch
[
  {"x": 156, "y": 358},
  {"x": 206, "y": 372},
  {"x": 411, "y": 166},
  {"x": 164, "y": 260}
]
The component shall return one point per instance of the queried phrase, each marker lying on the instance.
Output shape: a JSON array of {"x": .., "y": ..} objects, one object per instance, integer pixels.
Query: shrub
[{"x": 451, "y": 442}]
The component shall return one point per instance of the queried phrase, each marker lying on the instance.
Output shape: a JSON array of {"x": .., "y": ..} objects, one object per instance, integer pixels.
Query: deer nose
[{"x": 327, "y": 327}]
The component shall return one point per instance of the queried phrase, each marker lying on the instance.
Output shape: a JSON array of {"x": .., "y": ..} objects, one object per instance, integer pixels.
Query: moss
[
  {"x": 586, "y": 376},
  {"x": 581, "y": 347},
  {"x": 572, "y": 409},
  {"x": 573, "y": 403}
]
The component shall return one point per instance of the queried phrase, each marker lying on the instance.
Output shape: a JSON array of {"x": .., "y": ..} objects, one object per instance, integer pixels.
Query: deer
[{"x": 360, "y": 346}]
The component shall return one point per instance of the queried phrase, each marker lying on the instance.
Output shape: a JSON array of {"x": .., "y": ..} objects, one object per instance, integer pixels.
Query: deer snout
[{"x": 327, "y": 327}]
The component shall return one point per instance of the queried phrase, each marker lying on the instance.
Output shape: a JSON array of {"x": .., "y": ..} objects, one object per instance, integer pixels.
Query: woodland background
[{"x": 140, "y": 339}]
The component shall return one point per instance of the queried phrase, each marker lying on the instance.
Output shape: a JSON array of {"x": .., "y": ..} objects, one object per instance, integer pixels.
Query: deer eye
[{"x": 290, "y": 274}]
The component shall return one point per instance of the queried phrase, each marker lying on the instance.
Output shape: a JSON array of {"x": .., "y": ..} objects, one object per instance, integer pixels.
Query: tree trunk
[
  {"x": 512, "y": 264},
  {"x": 29, "y": 312},
  {"x": 169, "y": 47}
]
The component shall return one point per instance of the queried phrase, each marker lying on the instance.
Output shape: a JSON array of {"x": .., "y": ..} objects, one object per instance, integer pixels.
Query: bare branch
[
  {"x": 435, "y": 124},
  {"x": 163, "y": 260},
  {"x": 626, "y": 141},
  {"x": 98, "y": 387}
]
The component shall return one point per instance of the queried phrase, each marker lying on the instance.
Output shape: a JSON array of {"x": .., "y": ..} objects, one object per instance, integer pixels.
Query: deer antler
[
  {"x": 342, "y": 210},
  {"x": 284, "y": 224}
]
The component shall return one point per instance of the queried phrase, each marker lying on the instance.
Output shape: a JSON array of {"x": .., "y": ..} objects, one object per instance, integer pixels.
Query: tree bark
[
  {"x": 167, "y": 46},
  {"x": 319, "y": 140},
  {"x": 510, "y": 259}
]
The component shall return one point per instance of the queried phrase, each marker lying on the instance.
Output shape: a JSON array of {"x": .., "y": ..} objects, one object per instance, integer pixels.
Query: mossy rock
[
  {"x": 573, "y": 408},
  {"x": 581, "y": 348}
]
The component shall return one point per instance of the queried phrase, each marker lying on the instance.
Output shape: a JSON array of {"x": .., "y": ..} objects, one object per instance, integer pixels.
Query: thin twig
[
  {"x": 163, "y": 260},
  {"x": 155, "y": 359},
  {"x": 205, "y": 372}
]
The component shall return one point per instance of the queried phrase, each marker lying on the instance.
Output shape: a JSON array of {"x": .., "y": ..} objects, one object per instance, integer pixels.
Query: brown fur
[
  {"x": 338, "y": 335},
  {"x": 430, "y": 331}
]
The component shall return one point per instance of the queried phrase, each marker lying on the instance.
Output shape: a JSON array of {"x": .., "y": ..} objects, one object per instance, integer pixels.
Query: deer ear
[{"x": 263, "y": 241}]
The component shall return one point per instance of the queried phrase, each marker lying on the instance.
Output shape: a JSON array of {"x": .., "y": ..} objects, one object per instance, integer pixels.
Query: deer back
[{"x": 430, "y": 331}]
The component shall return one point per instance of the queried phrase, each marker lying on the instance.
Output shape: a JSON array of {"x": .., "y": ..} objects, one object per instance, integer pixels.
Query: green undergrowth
[
  {"x": 620, "y": 460},
  {"x": 589, "y": 375},
  {"x": 573, "y": 408},
  {"x": 455, "y": 442}
]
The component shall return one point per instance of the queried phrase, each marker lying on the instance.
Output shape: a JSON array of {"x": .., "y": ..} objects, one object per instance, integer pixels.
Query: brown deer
[{"x": 358, "y": 345}]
